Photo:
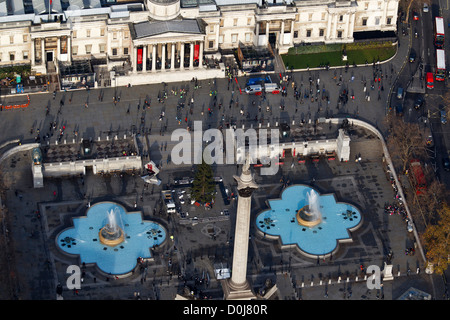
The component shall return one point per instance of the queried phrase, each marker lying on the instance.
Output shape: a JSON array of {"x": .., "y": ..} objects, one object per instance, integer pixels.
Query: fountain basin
[
  {"x": 287, "y": 220},
  {"x": 114, "y": 250}
]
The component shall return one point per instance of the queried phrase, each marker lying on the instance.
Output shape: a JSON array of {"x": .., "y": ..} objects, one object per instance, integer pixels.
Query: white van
[
  {"x": 254, "y": 89},
  {"x": 272, "y": 88}
]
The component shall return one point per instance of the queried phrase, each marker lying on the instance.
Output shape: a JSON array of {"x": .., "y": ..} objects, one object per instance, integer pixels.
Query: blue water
[
  {"x": 280, "y": 220},
  {"x": 83, "y": 239}
]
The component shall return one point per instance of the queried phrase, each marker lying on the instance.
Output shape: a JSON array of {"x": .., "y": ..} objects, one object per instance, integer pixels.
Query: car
[
  {"x": 254, "y": 89},
  {"x": 399, "y": 110},
  {"x": 446, "y": 164},
  {"x": 415, "y": 16},
  {"x": 419, "y": 102},
  {"x": 400, "y": 93},
  {"x": 412, "y": 56},
  {"x": 425, "y": 7},
  {"x": 443, "y": 117}
]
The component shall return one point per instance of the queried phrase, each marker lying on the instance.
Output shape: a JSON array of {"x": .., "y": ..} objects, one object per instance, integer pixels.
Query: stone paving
[
  {"x": 198, "y": 247},
  {"x": 194, "y": 251}
]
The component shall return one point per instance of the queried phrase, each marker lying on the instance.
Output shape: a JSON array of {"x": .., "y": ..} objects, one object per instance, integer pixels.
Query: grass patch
[{"x": 331, "y": 55}]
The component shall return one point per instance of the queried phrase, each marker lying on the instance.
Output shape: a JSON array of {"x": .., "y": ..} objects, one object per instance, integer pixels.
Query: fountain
[
  {"x": 111, "y": 238},
  {"x": 315, "y": 223},
  {"x": 111, "y": 234},
  {"x": 309, "y": 215}
]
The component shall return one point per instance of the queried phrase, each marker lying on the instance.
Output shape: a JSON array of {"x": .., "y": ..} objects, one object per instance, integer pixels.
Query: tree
[
  {"x": 437, "y": 241},
  {"x": 405, "y": 141},
  {"x": 203, "y": 188}
]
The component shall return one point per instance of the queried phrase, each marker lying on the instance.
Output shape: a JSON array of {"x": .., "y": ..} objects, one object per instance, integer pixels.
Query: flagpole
[{"x": 49, "y": 9}]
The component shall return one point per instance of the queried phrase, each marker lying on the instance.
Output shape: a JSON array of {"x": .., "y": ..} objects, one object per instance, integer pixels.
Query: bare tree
[{"x": 404, "y": 142}]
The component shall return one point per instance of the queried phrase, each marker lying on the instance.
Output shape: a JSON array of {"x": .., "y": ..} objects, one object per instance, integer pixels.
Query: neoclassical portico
[{"x": 167, "y": 46}]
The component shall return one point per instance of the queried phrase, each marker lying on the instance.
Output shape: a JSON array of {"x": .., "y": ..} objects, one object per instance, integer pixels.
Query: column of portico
[
  {"x": 291, "y": 42},
  {"x": 172, "y": 57},
  {"x": 182, "y": 56},
  {"x": 352, "y": 25},
  {"x": 43, "y": 51},
  {"x": 144, "y": 58},
  {"x": 58, "y": 47},
  {"x": 163, "y": 56},
  {"x": 69, "y": 49},
  {"x": 191, "y": 56},
  {"x": 154, "y": 58},
  {"x": 200, "y": 55},
  {"x": 257, "y": 33},
  {"x": 267, "y": 32},
  {"x": 32, "y": 53},
  {"x": 281, "y": 40}
]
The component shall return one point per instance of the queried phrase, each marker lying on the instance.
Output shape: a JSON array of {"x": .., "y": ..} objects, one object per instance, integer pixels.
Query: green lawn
[{"x": 334, "y": 58}]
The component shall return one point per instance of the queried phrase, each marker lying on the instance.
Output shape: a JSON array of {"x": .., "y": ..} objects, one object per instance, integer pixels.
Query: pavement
[{"x": 93, "y": 114}]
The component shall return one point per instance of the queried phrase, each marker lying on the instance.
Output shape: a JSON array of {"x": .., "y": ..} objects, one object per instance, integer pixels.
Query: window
[
  {"x": 114, "y": 51},
  {"x": 25, "y": 38},
  {"x": 74, "y": 34},
  {"x": 341, "y": 18},
  {"x": 102, "y": 32},
  {"x": 339, "y": 34},
  {"x": 308, "y": 33},
  {"x": 235, "y": 21},
  {"x": 12, "y": 56},
  {"x": 25, "y": 55},
  {"x": 114, "y": 35},
  {"x": 220, "y": 39},
  {"x": 323, "y": 16},
  {"x": 211, "y": 28},
  {"x": 210, "y": 44},
  {"x": 310, "y": 17},
  {"x": 248, "y": 37},
  {"x": 221, "y": 23},
  {"x": 295, "y": 34},
  {"x": 126, "y": 35},
  {"x": 366, "y": 6},
  {"x": 388, "y": 20},
  {"x": 74, "y": 50},
  {"x": 88, "y": 33},
  {"x": 11, "y": 39},
  {"x": 364, "y": 21},
  {"x": 88, "y": 48},
  {"x": 102, "y": 47},
  {"x": 1, "y": 56},
  {"x": 377, "y": 21},
  {"x": 321, "y": 32},
  {"x": 234, "y": 38},
  {"x": 379, "y": 5},
  {"x": 125, "y": 50},
  {"x": 249, "y": 21}
]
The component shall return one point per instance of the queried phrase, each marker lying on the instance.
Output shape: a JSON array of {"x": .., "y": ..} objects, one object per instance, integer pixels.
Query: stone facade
[{"x": 108, "y": 33}]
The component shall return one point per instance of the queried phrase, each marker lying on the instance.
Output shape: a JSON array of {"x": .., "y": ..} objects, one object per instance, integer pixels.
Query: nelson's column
[{"x": 238, "y": 288}]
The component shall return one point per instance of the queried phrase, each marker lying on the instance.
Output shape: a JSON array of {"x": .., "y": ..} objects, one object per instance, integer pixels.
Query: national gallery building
[{"x": 150, "y": 40}]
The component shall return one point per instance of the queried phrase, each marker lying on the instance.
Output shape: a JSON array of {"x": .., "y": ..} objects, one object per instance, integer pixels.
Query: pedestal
[{"x": 233, "y": 292}]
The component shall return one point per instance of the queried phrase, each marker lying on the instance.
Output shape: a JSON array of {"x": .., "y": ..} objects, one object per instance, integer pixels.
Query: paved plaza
[{"x": 202, "y": 240}]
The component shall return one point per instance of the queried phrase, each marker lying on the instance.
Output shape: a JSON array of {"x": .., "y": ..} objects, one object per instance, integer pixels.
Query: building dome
[{"x": 163, "y": 9}]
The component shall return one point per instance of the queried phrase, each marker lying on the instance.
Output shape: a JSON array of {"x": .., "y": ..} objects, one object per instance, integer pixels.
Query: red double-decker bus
[
  {"x": 439, "y": 32},
  {"x": 419, "y": 176}
]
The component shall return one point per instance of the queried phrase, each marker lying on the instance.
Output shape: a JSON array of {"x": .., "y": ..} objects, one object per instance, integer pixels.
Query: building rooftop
[{"x": 151, "y": 28}]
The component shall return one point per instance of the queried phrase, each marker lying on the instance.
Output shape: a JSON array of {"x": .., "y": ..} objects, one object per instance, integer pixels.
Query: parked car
[
  {"x": 415, "y": 16},
  {"x": 399, "y": 110},
  {"x": 443, "y": 117},
  {"x": 400, "y": 93},
  {"x": 425, "y": 7},
  {"x": 446, "y": 163},
  {"x": 412, "y": 56},
  {"x": 419, "y": 102}
]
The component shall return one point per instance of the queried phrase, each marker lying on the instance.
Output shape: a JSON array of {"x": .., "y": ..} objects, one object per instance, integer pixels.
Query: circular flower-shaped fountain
[
  {"x": 315, "y": 223},
  {"x": 111, "y": 238}
]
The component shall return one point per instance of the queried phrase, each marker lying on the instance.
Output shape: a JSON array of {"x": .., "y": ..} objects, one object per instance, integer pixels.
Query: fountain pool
[
  {"x": 111, "y": 238},
  {"x": 314, "y": 223}
]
